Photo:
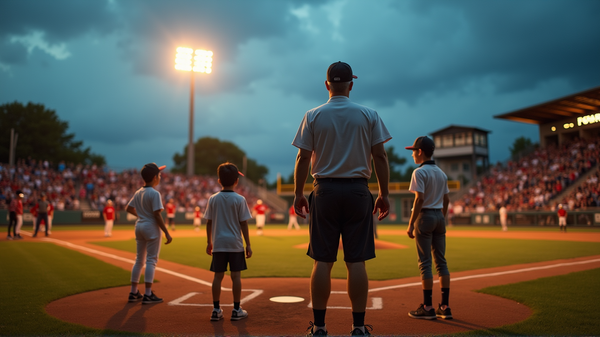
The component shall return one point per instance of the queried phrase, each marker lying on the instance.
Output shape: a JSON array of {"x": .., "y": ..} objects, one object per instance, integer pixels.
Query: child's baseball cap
[
  {"x": 150, "y": 170},
  {"x": 424, "y": 143},
  {"x": 340, "y": 72}
]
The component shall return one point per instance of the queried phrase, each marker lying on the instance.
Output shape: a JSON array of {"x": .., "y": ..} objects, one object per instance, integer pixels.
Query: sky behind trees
[{"x": 107, "y": 67}]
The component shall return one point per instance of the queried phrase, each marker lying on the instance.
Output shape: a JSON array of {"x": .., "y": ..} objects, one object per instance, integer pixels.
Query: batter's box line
[
  {"x": 179, "y": 301},
  {"x": 255, "y": 292},
  {"x": 376, "y": 302}
]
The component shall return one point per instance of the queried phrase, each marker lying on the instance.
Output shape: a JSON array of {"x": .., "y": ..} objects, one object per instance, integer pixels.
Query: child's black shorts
[{"x": 236, "y": 261}]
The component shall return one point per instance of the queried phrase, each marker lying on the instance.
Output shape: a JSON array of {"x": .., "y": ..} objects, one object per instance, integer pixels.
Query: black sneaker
[
  {"x": 8, "y": 237},
  {"x": 443, "y": 313},
  {"x": 359, "y": 332},
  {"x": 135, "y": 297},
  {"x": 18, "y": 237},
  {"x": 151, "y": 299},
  {"x": 421, "y": 313},
  {"x": 319, "y": 332}
]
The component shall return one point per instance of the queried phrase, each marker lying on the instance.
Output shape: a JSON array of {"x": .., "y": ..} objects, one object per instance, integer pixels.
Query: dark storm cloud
[
  {"x": 157, "y": 27},
  {"x": 59, "y": 20},
  {"x": 429, "y": 47}
]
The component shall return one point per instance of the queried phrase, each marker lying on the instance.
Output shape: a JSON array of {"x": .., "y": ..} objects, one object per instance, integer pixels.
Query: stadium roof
[
  {"x": 575, "y": 105},
  {"x": 453, "y": 128}
]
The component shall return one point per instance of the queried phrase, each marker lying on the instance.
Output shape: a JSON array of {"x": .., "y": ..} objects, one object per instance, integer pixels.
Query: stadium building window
[
  {"x": 438, "y": 141},
  {"x": 459, "y": 139},
  {"x": 448, "y": 141},
  {"x": 469, "y": 138},
  {"x": 466, "y": 167},
  {"x": 454, "y": 167}
]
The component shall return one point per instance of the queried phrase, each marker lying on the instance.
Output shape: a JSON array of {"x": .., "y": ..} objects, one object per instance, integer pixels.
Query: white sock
[
  {"x": 134, "y": 289},
  {"x": 148, "y": 292}
]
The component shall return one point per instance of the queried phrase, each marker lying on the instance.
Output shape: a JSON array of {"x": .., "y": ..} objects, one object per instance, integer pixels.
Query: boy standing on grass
[
  {"x": 428, "y": 225},
  {"x": 147, "y": 206},
  {"x": 227, "y": 214}
]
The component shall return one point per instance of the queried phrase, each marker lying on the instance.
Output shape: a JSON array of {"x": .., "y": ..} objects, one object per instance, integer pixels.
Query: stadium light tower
[{"x": 194, "y": 61}]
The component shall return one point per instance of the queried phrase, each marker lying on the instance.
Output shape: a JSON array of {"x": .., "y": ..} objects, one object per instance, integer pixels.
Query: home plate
[{"x": 286, "y": 299}]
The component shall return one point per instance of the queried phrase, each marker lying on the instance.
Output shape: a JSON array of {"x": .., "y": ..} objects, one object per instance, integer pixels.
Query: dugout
[{"x": 562, "y": 119}]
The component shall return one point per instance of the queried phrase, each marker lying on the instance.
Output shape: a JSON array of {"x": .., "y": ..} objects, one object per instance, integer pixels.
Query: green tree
[
  {"x": 210, "y": 152},
  {"x": 42, "y": 136},
  {"x": 520, "y": 144}
]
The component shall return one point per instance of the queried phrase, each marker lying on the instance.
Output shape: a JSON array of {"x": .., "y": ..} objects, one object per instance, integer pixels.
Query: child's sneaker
[
  {"x": 421, "y": 313},
  {"x": 135, "y": 297},
  {"x": 151, "y": 299},
  {"x": 8, "y": 237},
  {"x": 238, "y": 314},
  {"x": 365, "y": 332},
  {"x": 317, "y": 332},
  {"x": 443, "y": 313},
  {"x": 216, "y": 315}
]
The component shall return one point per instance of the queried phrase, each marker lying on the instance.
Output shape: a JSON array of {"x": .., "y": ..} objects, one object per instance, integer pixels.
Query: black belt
[
  {"x": 430, "y": 209},
  {"x": 343, "y": 180}
]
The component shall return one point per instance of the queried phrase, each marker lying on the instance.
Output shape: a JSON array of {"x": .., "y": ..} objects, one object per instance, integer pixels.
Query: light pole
[{"x": 202, "y": 63}]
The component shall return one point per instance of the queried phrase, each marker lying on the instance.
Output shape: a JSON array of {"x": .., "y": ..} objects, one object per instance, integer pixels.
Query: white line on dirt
[
  {"x": 255, "y": 292},
  {"x": 516, "y": 271}
]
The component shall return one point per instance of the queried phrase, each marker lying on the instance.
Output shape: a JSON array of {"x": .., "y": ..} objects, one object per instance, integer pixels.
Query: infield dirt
[{"x": 389, "y": 301}]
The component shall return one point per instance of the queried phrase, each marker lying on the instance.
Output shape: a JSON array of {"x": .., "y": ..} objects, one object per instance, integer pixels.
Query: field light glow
[{"x": 202, "y": 61}]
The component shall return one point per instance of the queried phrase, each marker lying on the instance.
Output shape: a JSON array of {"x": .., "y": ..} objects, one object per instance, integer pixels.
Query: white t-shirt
[
  {"x": 146, "y": 201},
  {"x": 430, "y": 180},
  {"x": 227, "y": 209},
  {"x": 340, "y": 135}
]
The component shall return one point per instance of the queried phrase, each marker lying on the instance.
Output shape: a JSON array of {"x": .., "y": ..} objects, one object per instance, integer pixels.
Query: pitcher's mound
[{"x": 378, "y": 245}]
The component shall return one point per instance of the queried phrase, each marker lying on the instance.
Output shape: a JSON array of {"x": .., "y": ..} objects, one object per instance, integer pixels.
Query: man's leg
[
  {"x": 358, "y": 291},
  {"x": 320, "y": 289}
]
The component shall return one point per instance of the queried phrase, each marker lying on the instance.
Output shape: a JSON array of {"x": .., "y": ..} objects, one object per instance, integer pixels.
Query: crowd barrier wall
[
  {"x": 540, "y": 218},
  {"x": 574, "y": 218}
]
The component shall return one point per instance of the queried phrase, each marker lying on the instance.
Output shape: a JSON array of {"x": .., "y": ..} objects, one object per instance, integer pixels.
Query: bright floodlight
[{"x": 202, "y": 60}]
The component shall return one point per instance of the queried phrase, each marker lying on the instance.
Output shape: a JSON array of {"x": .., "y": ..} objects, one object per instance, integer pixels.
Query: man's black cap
[
  {"x": 150, "y": 170},
  {"x": 340, "y": 72},
  {"x": 424, "y": 143}
]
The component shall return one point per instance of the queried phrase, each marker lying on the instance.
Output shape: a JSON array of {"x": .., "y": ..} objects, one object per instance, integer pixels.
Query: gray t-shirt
[
  {"x": 340, "y": 134},
  {"x": 227, "y": 209},
  {"x": 146, "y": 201},
  {"x": 430, "y": 180}
]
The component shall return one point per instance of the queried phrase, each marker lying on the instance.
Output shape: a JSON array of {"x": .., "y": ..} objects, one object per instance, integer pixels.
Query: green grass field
[
  {"x": 274, "y": 256},
  {"x": 33, "y": 273}
]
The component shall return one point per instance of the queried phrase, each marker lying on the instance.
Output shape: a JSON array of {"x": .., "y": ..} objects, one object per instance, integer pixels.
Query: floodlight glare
[{"x": 202, "y": 63}]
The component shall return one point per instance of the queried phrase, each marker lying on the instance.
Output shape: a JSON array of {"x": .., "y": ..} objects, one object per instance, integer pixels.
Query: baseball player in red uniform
[
  {"x": 50, "y": 215},
  {"x": 293, "y": 219},
  {"x": 109, "y": 218},
  {"x": 197, "y": 216},
  {"x": 562, "y": 218},
  {"x": 260, "y": 211},
  {"x": 15, "y": 216},
  {"x": 171, "y": 213}
]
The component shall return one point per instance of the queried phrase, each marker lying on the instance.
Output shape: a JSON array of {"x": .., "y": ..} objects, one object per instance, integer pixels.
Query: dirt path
[{"x": 188, "y": 300}]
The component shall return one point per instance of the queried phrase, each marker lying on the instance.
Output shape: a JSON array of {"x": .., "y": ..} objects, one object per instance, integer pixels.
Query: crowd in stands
[
  {"x": 67, "y": 185},
  {"x": 532, "y": 182}
]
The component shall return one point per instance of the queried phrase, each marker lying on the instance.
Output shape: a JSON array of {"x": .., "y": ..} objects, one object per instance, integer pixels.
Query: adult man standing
[{"x": 339, "y": 138}]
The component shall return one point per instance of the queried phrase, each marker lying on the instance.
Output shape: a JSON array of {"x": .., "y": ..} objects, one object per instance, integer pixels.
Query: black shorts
[
  {"x": 236, "y": 261},
  {"x": 341, "y": 207},
  {"x": 170, "y": 221}
]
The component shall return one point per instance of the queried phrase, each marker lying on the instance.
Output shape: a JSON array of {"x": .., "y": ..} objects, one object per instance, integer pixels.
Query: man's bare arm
[
  {"x": 300, "y": 175},
  {"x": 382, "y": 171}
]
